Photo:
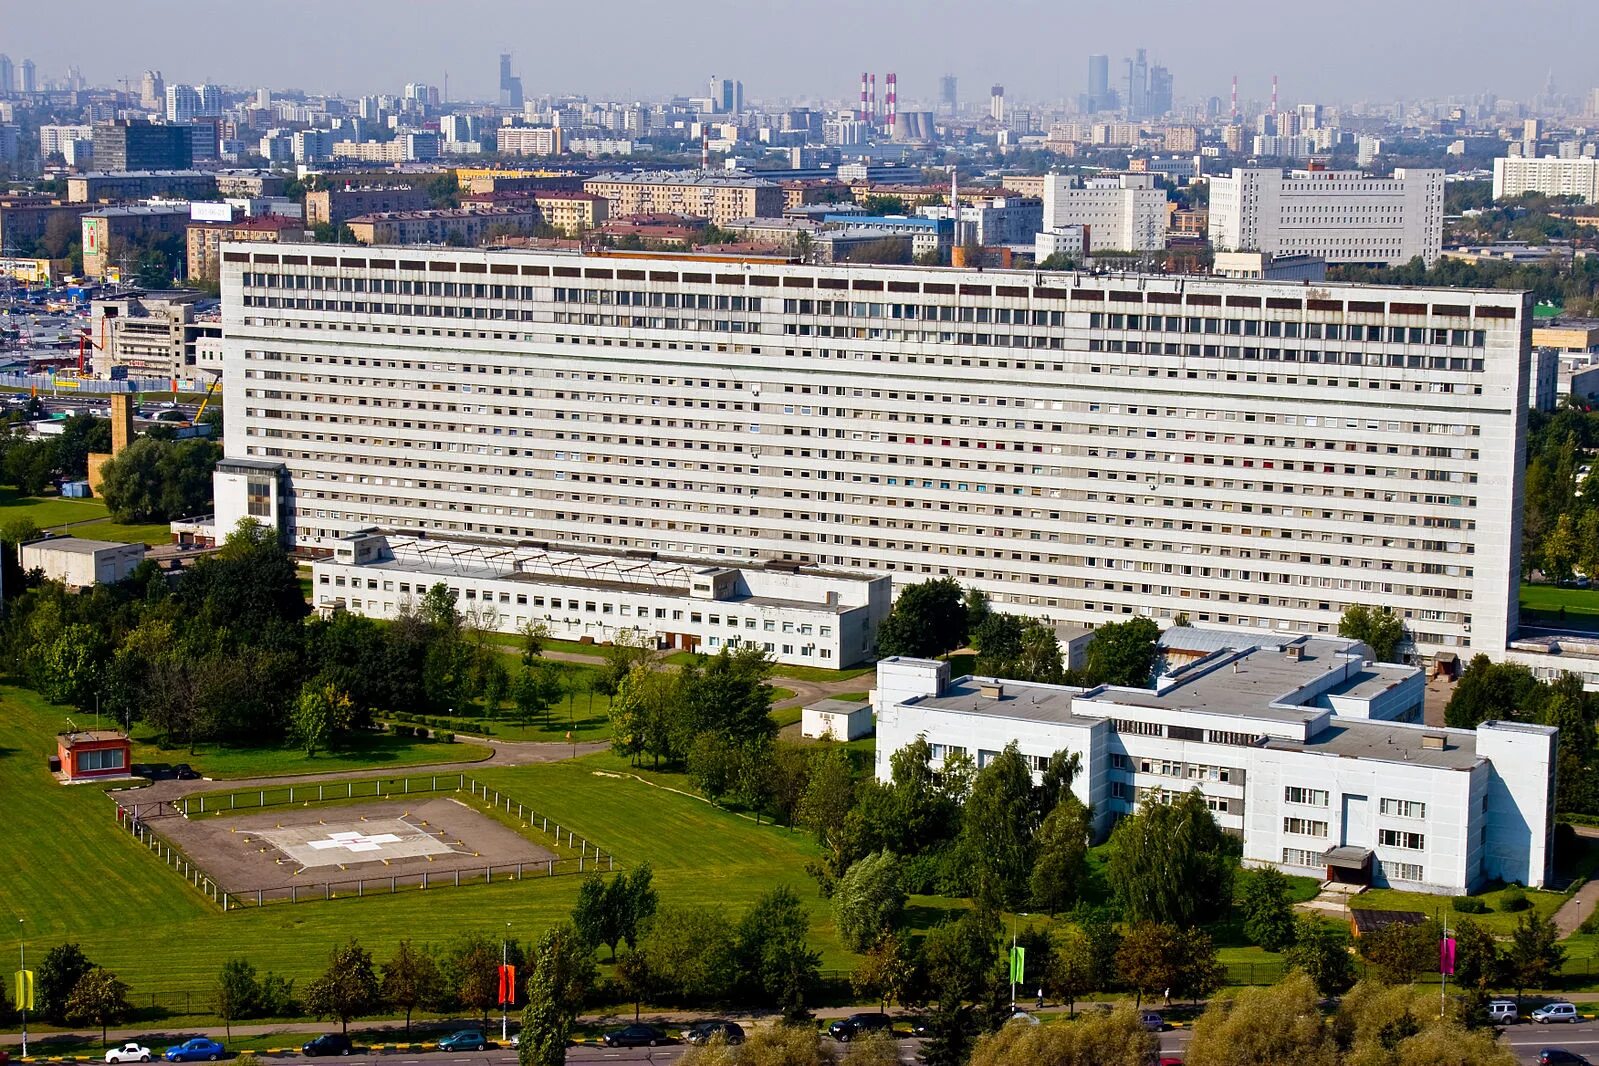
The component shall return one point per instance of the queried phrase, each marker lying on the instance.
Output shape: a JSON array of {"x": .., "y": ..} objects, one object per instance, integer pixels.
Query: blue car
[{"x": 196, "y": 1050}]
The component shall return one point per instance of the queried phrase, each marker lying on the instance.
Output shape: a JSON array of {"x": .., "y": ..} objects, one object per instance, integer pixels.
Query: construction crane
[{"x": 206, "y": 399}]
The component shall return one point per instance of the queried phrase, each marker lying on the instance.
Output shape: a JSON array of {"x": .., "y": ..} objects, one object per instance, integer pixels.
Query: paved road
[{"x": 1526, "y": 1038}]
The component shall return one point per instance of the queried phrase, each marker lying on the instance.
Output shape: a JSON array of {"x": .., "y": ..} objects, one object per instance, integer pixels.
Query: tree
[
  {"x": 1489, "y": 690},
  {"x": 57, "y": 974},
  {"x": 536, "y": 688},
  {"x": 70, "y": 667},
  {"x": 869, "y": 900},
  {"x": 1123, "y": 653},
  {"x": 632, "y": 901},
  {"x": 347, "y": 989},
  {"x": 997, "y": 827},
  {"x": 1588, "y": 530},
  {"x": 691, "y": 954},
  {"x": 1268, "y": 912},
  {"x": 236, "y": 994},
  {"x": 1321, "y": 951},
  {"x": 1071, "y": 973},
  {"x": 154, "y": 480},
  {"x": 411, "y": 979},
  {"x": 1147, "y": 960},
  {"x": 1281, "y": 1023},
  {"x": 98, "y": 999},
  {"x": 472, "y": 972},
  {"x": 562, "y": 974},
  {"x": 1398, "y": 952},
  {"x": 777, "y": 964},
  {"x": 929, "y": 618},
  {"x": 885, "y": 971},
  {"x": 589, "y": 916},
  {"x": 1060, "y": 866},
  {"x": 1172, "y": 862},
  {"x": 1560, "y": 550},
  {"x": 320, "y": 711},
  {"x": 1379, "y": 628},
  {"x": 1535, "y": 955},
  {"x": 535, "y": 635},
  {"x": 1115, "y": 1039}
]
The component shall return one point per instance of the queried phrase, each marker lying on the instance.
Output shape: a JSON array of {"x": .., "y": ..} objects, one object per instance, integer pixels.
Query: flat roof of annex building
[
  {"x": 76, "y": 545},
  {"x": 1055, "y": 283},
  {"x": 493, "y": 561}
]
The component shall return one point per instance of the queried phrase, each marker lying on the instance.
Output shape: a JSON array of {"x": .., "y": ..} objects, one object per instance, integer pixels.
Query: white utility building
[
  {"x": 1303, "y": 748},
  {"x": 81, "y": 563},
  {"x": 1343, "y": 216},
  {"x": 799, "y": 615},
  {"x": 1122, "y": 212}
]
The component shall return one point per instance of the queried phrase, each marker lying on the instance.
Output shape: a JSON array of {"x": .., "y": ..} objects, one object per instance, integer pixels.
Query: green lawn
[
  {"x": 1495, "y": 920},
  {"x": 1562, "y": 607},
  {"x": 126, "y": 532},
  {"x": 47, "y": 512},
  {"x": 798, "y": 673},
  {"x": 379, "y": 751}
]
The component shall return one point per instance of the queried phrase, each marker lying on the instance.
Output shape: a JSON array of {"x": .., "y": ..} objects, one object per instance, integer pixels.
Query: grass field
[
  {"x": 798, "y": 673},
  {"x": 1562, "y": 607},
  {"x": 379, "y": 751},
  {"x": 48, "y": 512}
]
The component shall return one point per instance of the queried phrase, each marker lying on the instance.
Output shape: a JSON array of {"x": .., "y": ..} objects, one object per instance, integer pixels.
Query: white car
[{"x": 128, "y": 1053}]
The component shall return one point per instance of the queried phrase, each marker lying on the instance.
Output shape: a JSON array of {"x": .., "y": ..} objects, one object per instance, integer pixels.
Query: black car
[
  {"x": 185, "y": 772},
  {"x": 847, "y": 1029},
  {"x": 700, "y": 1033},
  {"x": 327, "y": 1044},
  {"x": 1559, "y": 1056},
  {"x": 635, "y": 1035}
]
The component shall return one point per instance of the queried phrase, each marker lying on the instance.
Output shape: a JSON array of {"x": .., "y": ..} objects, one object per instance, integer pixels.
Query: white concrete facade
[
  {"x": 1298, "y": 747},
  {"x": 81, "y": 563},
  {"x": 1123, "y": 212},
  {"x": 1084, "y": 448},
  {"x": 1550, "y": 176},
  {"x": 1343, "y": 216},
  {"x": 803, "y": 618}
]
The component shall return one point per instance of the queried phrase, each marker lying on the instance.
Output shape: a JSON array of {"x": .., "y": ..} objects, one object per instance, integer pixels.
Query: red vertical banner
[{"x": 508, "y": 986}]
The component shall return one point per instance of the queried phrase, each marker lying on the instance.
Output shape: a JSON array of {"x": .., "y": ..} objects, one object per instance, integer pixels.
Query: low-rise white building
[
  {"x": 836, "y": 720},
  {"x": 1310, "y": 753},
  {"x": 1121, "y": 212},
  {"x": 1344, "y": 216},
  {"x": 81, "y": 563},
  {"x": 799, "y": 615}
]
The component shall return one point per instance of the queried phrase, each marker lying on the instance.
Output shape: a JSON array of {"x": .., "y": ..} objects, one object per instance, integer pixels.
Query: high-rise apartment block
[
  {"x": 1344, "y": 216},
  {"x": 1246, "y": 453},
  {"x": 1550, "y": 176},
  {"x": 1122, "y": 212},
  {"x": 720, "y": 198},
  {"x": 131, "y": 145}
]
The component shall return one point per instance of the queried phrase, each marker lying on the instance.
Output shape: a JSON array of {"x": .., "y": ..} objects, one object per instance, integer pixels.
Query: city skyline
[{"x": 1417, "y": 56}]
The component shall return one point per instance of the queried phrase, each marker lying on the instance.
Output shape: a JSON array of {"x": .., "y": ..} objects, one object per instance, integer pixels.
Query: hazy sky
[{"x": 1344, "y": 51}]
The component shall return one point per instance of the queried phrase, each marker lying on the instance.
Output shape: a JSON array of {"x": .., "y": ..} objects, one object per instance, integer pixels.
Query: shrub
[
  {"x": 1590, "y": 924},
  {"x": 1513, "y": 899},
  {"x": 1469, "y": 905},
  {"x": 444, "y": 738},
  {"x": 421, "y": 732}
]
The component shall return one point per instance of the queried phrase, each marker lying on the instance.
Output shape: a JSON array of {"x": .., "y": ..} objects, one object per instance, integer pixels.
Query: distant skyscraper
[
  {"x": 996, "y": 103},
  {"x": 727, "y": 96},
  {"x": 1098, "y": 98},
  {"x": 1137, "y": 98},
  {"x": 8, "y": 75},
  {"x": 510, "y": 85},
  {"x": 1159, "y": 99},
  {"x": 27, "y": 77},
  {"x": 946, "y": 94},
  {"x": 152, "y": 91}
]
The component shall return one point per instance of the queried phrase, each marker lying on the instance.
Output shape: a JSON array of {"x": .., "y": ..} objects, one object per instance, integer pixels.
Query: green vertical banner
[
  {"x": 24, "y": 997},
  {"x": 1018, "y": 964}
]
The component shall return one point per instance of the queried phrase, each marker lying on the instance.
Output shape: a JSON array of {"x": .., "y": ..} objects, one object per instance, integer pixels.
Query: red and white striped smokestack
[
  {"x": 705, "y": 146},
  {"x": 863, "y": 97},
  {"x": 1274, "y": 94},
  {"x": 893, "y": 103},
  {"x": 1235, "y": 99},
  {"x": 873, "y": 111}
]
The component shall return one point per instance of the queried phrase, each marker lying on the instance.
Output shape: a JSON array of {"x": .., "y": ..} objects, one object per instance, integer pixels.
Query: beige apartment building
[
  {"x": 529, "y": 140},
  {"x": 458, "y": 225},
  {"x": 108, "y": 232},
  {"x": 716, "y": 197},
  {"x": 335, "y": 206},
  {"x": 205, "y": 239}
]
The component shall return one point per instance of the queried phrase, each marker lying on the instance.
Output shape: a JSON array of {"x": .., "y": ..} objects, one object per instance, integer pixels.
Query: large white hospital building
[
  {"x": 1246, "y": 453},
  {"x": 1343, "y": 216},
  {"x": 1309, "y": 753}
]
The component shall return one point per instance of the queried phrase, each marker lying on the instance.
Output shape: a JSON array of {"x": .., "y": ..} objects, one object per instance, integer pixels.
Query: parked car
[
  {"x": 129, "y": 1052},
  {"x": 464, "y": 1040},
  {"x": 1503, "y": 1012},
  {"x": 1558, "y": 1011},
  {"x": 1559, "y": 1056},
  {"x": 1151, "y": 1020},
  {"x": 184, "y": 772},
  {"x": 327, "y": 1044},
  {"x": 700, "y": 1033},
  {"x": 636, "y": 1035},
  {"x": 195, "y": 1050},
  {"x": 846, "y": 1029}
]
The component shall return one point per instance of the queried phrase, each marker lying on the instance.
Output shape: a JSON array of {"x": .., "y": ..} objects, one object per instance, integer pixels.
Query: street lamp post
[
  {"x": 22, "y": 998},
  {"x": 505, "y": 992},
  {"x": 1013, "y": 918}
]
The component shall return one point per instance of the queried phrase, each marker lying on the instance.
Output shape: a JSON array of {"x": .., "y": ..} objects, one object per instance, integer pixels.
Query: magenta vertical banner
[{"x": 1446, "y": 956}]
